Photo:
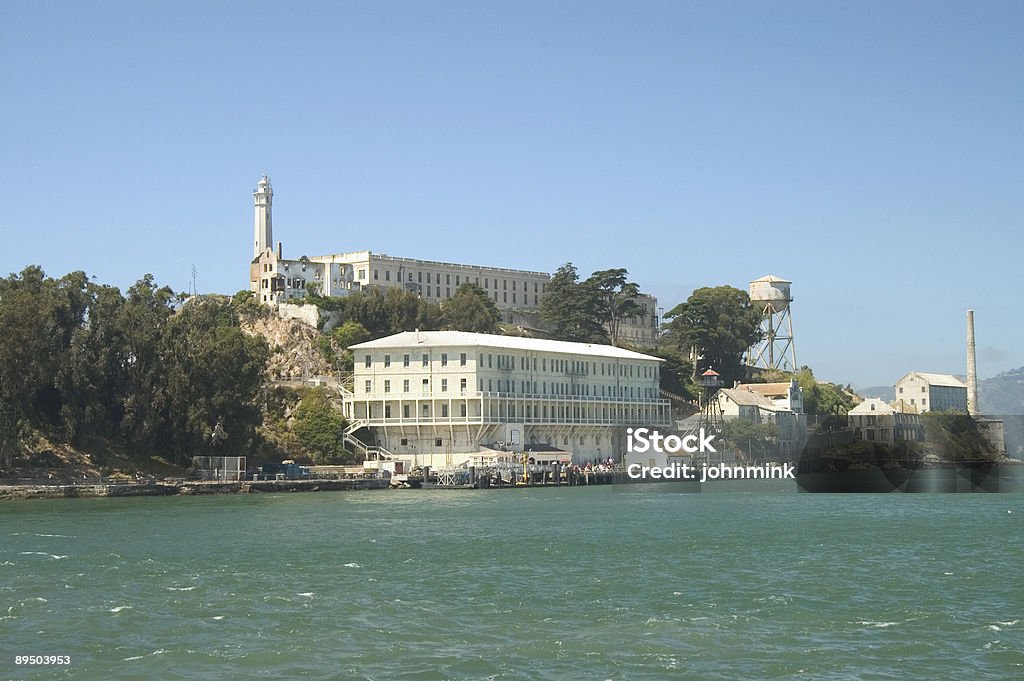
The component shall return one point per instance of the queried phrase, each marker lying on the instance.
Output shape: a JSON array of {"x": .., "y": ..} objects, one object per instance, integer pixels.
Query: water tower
[{"x": 771, "y": 297}]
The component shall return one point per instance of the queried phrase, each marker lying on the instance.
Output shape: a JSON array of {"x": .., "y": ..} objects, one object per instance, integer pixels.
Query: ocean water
[{"x": 624, "y": 582}]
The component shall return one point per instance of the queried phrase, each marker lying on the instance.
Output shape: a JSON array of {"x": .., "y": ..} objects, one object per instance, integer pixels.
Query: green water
[{"x": 596, "y": 583}]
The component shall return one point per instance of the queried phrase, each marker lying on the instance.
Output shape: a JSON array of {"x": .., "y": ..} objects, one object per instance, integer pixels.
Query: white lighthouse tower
[{"x": 263, "y": 198}]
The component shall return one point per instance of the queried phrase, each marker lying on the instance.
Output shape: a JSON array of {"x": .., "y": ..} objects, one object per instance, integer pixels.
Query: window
[
  {"x": 405, "y": 414},
  {"x": 444, "y": 359},
  {"x": 437, "y": 441},
  {"x": 405, "y": 386},
  {"x": 387, "y": 386},
  {"x": 368, "y": 386},
  {"x": 387, "y": 411},
  {"x": 362, "y": 274},
  {"x": 447, "y": 279},
  {"x": 387, "y": 361},
  {"x": 462, "y": 386},
  {"x": 405, "y": 441},
  {"x": 462, "y": 359},
  {"x": 426, "y": 410},
  {"x": 444, "y": 411},
  {"x": 387, "y": 275},
  {"x": 405, "y": 360},
  {"x": 368, "y": 362},
  {"x": 426, "y": 385},
  {"x": 419, "y": 277},
  {"x": 426, "y": 360},
  {"x": 376, "y": 274},
  {"x": 444, "y": 385},
  {"x": 462, "y": 409}
]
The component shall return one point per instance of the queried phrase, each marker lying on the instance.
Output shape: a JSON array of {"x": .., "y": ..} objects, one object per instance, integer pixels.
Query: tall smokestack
[{"x": 972, "y": 367}]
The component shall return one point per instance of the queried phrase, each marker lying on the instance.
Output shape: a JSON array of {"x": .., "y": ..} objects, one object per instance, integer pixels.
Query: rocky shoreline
[{"x": 184, "y": 488}]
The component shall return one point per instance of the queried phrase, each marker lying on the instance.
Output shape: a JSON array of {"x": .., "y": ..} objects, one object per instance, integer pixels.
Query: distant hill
[
  {"x": 1003, "y": 394},
  {"x": 882, "y": 392}
]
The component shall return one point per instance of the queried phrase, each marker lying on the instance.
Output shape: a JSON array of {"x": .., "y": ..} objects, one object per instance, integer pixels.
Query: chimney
[
  {"x": 279, "y": 250},
  {"x": 972, "y": 367}
]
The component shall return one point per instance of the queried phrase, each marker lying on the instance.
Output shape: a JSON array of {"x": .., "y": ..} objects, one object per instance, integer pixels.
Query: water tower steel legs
[{"x": 776, "y": 350}]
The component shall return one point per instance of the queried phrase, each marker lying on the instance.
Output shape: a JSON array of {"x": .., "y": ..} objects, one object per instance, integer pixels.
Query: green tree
[
  {"x": 39, "y": 316},
  {"x": 470, "y": 309},
  {"x": 719, "y": 324},
  {"x": 383, "y": 313},
  {"x": 214, "y": 373},
  {"x": 247, "y": 307},
  {"x": 759, "y": 441},
  {"x": 614, "y": 299},
  {"x": 821, "y": 398},
  {"x": 320, "y": 427},
  {"x": 572, "y": 309},
  {"x": 676, "y": 374},
  {"x": 141, "y": 323},
  {"x": 347, "y": 334},
  {"x": 93, "y": 376}
]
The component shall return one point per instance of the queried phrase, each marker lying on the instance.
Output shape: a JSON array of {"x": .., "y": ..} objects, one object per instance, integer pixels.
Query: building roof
[
  {"x": 938, "y": 379},
  {"x": 368, "y": 255},
  {"x": 766, "y": 389},
  {"x": 872, "y": 405},
  {"x": 747, "y": 398},
  {"x": 434, "y": 339},
  {"x": 772, "y": 279}
]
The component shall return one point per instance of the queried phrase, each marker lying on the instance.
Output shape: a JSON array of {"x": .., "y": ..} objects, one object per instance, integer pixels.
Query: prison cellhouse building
[{"x": 517, "y": 294}]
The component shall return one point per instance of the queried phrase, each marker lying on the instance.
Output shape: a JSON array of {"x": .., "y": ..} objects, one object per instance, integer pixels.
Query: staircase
[{"x": 368, "y": 452}]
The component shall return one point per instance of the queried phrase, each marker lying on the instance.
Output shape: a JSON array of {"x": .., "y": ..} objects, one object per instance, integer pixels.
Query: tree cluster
[
  {"x": 382, "y": 312},
  {"x": 376, "y": 313},
  {"x": 143, "y": 369},
  {"x": 717, "y": 325},
  {"x": 591, "y": 310}
]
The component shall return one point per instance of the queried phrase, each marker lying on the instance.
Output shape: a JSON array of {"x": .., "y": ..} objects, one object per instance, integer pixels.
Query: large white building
[
  {"x": 445, "y": 397},
  {"x": 920, "y": 391},
  {"x": 275, "y": 279}
]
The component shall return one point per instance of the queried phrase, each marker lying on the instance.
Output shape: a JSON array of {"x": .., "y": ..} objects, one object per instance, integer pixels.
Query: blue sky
[{"x": 871, "y": 152}]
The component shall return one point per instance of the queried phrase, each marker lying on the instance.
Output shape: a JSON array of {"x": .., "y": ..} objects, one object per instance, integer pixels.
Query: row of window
[
  {"x": 563, "y": 413},
  {"x": 569, "y": 366},
  {"x": 509, "y": 386},
  {"x": 431, "y": 292},
  {"x": 508, "y": 362},
  {"x": 438, "y": 442},
  {"x": 425, "y": 386},
  {"x": 517, "y": 285}
]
